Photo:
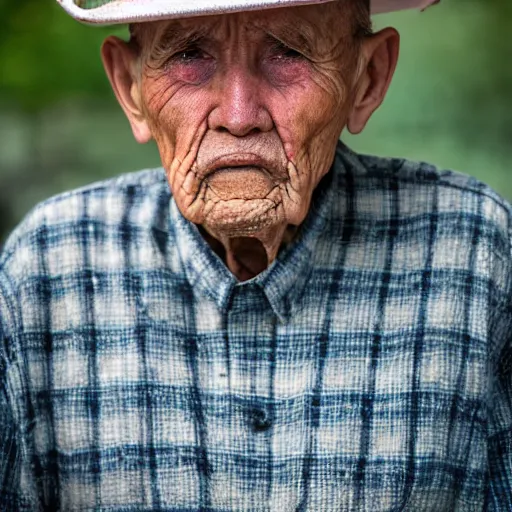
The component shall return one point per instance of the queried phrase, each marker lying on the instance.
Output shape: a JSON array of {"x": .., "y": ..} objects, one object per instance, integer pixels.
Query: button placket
[{"x": 250, "y": 338}]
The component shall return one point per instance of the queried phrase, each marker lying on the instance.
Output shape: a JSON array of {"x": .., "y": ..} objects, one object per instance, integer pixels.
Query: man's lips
[{"x": 244, "y": 162}]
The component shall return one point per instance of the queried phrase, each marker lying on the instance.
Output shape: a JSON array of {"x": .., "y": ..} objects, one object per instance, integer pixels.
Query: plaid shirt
[{"x": 368, "y": 369}]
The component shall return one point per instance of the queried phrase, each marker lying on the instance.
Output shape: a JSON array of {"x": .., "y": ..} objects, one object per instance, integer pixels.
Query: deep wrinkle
[{"x": 171, "y": 39}]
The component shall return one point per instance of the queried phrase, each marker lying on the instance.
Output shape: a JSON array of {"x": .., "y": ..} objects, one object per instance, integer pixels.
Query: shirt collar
[{"x": 283, "y": 282}]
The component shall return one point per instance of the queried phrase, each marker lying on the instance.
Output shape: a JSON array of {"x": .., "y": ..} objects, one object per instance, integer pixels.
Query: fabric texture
[
  {"x": 107, "y": 12},
  {"x": 368, "y": 369}
]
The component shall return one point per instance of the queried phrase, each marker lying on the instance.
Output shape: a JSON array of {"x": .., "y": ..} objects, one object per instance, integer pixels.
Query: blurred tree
[{"x": 44, "y": 56}]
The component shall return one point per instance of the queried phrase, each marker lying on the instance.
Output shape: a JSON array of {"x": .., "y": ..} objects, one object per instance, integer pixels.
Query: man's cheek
[
  {"x": 157, "y": 91},
  {"x": 323, "y": 124},
  {"x": 178, "y": 139},
  {"x": 176, "y": 123},
  {"x": 311, "y": 144},
  {"x": 165, "y": 97},
  {"x": 299, "y": 126},
  {"x": 291, "y": 121}
]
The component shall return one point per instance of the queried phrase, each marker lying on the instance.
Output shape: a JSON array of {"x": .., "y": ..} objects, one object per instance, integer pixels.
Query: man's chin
[{"x": 243, "y": 217}]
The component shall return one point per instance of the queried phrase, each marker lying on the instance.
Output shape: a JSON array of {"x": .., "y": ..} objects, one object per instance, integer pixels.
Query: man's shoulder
[
  {"x": 421, "y": 187},
  {"x": 129, "y": 201}
]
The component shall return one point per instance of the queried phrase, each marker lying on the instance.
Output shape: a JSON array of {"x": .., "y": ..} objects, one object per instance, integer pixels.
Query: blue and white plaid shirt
[{"x": 368, "y": 369}]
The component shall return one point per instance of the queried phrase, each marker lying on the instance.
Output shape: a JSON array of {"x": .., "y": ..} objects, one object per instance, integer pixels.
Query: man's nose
[{"x": 239, "y": 110}]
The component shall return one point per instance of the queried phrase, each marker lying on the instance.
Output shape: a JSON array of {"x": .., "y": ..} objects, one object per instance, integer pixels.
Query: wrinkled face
[{"x": 246, "y": 110}]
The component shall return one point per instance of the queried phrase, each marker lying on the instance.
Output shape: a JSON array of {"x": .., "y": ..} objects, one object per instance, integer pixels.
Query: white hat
[{"x": 107, "y": 12}]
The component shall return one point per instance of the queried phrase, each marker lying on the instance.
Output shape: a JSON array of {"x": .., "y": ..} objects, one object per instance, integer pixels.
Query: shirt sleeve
[
  {"x": 499, "y": 498},
  {"x": 9, "y": 459},
  {"x": 500, "y": 440},
  {"x": 13, "y": 497}
]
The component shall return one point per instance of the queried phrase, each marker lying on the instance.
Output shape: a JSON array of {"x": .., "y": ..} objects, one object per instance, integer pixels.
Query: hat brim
[{"x": 131, "y": 11}]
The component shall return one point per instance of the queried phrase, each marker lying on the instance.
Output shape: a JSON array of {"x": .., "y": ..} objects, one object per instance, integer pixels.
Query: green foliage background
[{"x": 450, "y": 102}]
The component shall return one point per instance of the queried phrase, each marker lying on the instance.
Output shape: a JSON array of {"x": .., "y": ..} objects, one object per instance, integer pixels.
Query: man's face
[{"x": 246, "y": 110}]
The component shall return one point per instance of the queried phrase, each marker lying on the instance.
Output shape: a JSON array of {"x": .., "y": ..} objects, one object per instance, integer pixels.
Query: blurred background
[{"x": 60, "y": 127}]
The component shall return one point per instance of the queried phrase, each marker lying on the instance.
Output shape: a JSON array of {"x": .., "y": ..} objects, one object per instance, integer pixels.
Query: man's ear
[
  {"x": 379, "y": 56},
  {"x": 119, "y": 60}
]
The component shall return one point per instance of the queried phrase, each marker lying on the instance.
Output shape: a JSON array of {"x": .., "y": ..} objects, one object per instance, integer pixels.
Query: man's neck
[{"x": 245, "y": 256}]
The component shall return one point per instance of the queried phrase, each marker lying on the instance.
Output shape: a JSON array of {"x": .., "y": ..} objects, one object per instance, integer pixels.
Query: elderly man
[{"x": 270, "y": 322}]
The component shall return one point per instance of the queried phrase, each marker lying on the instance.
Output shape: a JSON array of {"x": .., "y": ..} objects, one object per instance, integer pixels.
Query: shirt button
[{"x": 260, "y": 420}]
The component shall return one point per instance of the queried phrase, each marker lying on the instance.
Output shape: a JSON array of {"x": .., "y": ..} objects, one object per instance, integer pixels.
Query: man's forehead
[{"x": 306, "y": 24}]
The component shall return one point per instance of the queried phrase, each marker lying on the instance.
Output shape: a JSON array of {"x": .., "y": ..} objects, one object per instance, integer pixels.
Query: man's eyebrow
[
  {"x": 302, "y": 40},
  {"x": 177, "y": 37}
]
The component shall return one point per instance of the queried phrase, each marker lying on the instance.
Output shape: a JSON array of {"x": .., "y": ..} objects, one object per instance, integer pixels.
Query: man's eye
[
  {"x": 189, "y": 55},
  {"x": 285, "y": 66},
  {"x": 283, "y": 52},
  {"x": 191, "y": 65},
  {"x": 290, "y": 53}
]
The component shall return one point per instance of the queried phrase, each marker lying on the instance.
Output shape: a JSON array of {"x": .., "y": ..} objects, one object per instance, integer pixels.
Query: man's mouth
[
  {"x": 229, "y": 168},
  {"x": 244, "y": 162},
  {"x": 240, "y": 182}
]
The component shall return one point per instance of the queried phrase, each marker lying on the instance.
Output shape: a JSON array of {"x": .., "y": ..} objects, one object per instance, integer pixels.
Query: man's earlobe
[
  {"x": 119, "y": 60},
  {"x": 380, "y": 56}
]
